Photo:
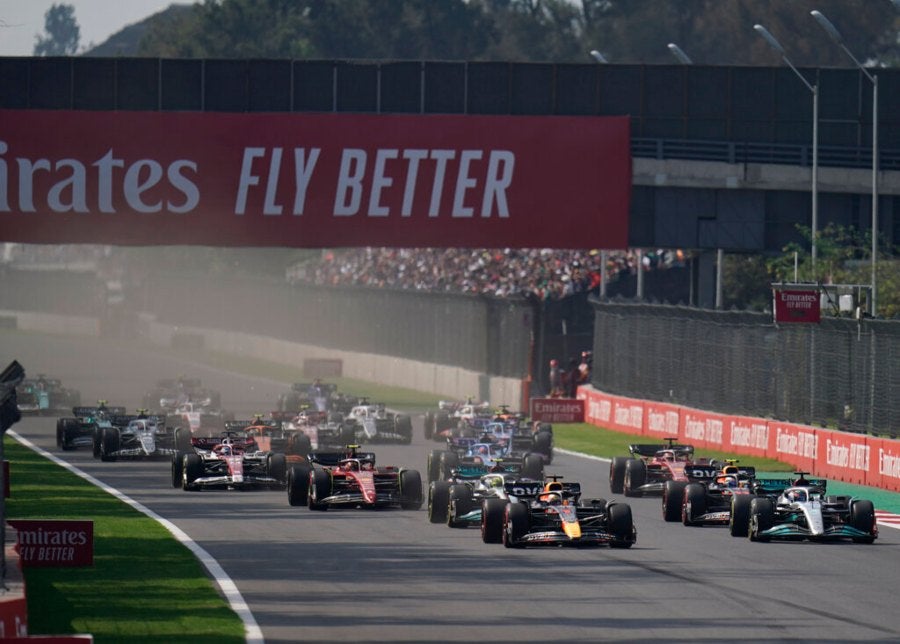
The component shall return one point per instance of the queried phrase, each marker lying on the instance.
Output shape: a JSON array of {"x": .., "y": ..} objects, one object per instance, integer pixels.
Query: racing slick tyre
[
  {"x": 191, "y": 470},
  {"x": 96, "y": 437},
  {"x": 289, "y": 402},
  {"x": 59, "y": 431},
  {"x": 533, "y": 467},
  {"x": 617, "y": 474},
  {"x": 438, "y": 501},
  {"x": 68, "y": 429},
  {"x": 441, "y": 422},
  {"x": 449, "y": 462},
  {"x": 492, "y": 511},
  {"x": 182, "y": 439},
  {"x": 178, "y": 468},
  {"x": 672, "y": 499},
  {"x": 694, "y": 504},
  {"x": 543, "y": 444},
  {"x": 298, "y": 484},
  {"x": 635, "y": 476},
  {"x": 621, "y": 526},
  {"x": 403, "y": 427},
  {"x": 428, "y": 425},
  {"x": 516, "y": 521},
  {"x": 862, "y": 517},
  {"x": 739, "y": 522},
  {"x": 276, "y": 467},
  {"x": 319, "y": 488},
  {"x": 410, "y": 490},
  {"x": 434, "y": 464},
  {"x": 762, "y": 517},
  {"x": 461, "y": 502},
  {"x": 109, "y": 444},
  {"x": 299, "y": 444},
  {"x": 545, "y": 427},
  {"x": 348, "y": 433}
]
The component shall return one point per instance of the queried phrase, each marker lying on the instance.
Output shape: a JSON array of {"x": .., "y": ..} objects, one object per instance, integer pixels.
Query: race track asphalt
[{"x": 391, "y": 576}]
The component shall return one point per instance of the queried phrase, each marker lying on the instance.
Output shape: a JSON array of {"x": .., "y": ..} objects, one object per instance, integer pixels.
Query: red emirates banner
[
  {"x": 557, "y": 410},
  {"x": 54, "y": 544},
  {"x": 314, "y": 180},
  {"x": 797, "y": 306}
]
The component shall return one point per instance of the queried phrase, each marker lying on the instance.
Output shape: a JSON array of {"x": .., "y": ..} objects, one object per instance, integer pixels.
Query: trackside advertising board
[
  {"x": 557, "y": 410},
  {"x": 314, "y": 180},
  {"x": 54, "y": 544},
  {"x": 797, "y": 306},
  {"x": 841, "y": 456}
]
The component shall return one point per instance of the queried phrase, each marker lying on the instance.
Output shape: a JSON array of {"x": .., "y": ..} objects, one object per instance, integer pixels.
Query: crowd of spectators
[{"x": 547, "y": 274}]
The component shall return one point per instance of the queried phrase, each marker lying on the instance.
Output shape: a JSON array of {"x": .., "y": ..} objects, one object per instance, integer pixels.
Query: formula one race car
[
  {"x": 372, "y": 423},
  {"x": 351, "y": 479},
  {"x": 458, "y": 501},
  {"x": 467, "y": 452},
  {"x": 317, "y": 395},
  {"x": 142, "y": 437},
  {"x": 650, "y": 466},
  {"x": 802, "y": 511},
  {"x": 169, "y": 394},
  {"x": 451, "y": 418},
  {"x": 80, "y": 429},
  {"x": 44, "y": 395},
  {"x": 230, "y": 461},
  {"x": 705, "y": 497},
  {"x": 559, "y": 517},
  {"x": 321, "y": 430}
]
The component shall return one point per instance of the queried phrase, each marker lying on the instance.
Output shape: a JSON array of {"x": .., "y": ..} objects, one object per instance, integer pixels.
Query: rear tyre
[
  {"x": 109, "y": 444},
  {"x": 762, "y": 517},
  {"x": 410, "y": 490},
  {"x": 492, "y": 511},
  {"x": 298, "y": 484},
  {"x": 319, "y": 488},
  {"x": 672, "y": 500},
  {"x": 438, "y": 501},
  {"x": 635, "y": 476},
  {"x": 449, "y": 462},
  {"x": 428, "y": 425},
  {"x": 461, "y": 502},
  {"x": 276, "y": 467},
  {"x": 739, "y": 522},
  {"x": 192, "y": 469},
  {"x": 617, "y": 474},
  {"x": 441, "y": 422},
  {"x": 96, "y": 439},
  {"x": 403, "y": 427},
  {"x": 621, "y": 526},
  {"x": 533, "y": 467},
  {"x": 694, "y": 504},
  {"x": 299, "y": 444},
  {"x": 182, "y": 439},
  {"x": 862, "y": 517},
  {"x": 177, "y": 469},
  {"x": 434, "y": 465},
  {"x": 515, "y": 525},
  {"x": 70, "y": 427},
  {"x": 543, "y": 444}
]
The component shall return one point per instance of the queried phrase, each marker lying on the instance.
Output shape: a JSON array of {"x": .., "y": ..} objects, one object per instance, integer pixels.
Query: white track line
[{"x": 252, "y": 631}]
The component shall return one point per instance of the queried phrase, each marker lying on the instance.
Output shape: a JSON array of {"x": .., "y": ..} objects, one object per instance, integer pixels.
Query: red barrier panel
[
  {"x": 885, "y": 464},
  {"x": 612, "y": 412},
  {"x": 702, "y": 429},
  {"x": 794, "y": 444},
  {"x": 746, "y": 435},
  {"x": 843, "y": 457},
  {"x": 557, "y": 410},
  {"x": 661, "y": 420},
  {"x": 314, "y": 180}
]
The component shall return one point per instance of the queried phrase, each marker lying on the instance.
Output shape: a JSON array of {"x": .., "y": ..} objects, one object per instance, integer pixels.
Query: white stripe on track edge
[
  {"x": 887, "y": 520},
  {"x": 252, "y": 631}
]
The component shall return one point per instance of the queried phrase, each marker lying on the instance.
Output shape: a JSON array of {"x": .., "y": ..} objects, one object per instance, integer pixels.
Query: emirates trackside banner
[{"x": 313, "y": 180}]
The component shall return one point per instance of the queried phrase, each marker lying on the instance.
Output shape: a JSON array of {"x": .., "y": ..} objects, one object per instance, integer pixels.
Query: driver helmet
[
  {"x": 729, "y": 481},
  {"x": 496, "y": 482},
  {"x": 551, "y": 497}
]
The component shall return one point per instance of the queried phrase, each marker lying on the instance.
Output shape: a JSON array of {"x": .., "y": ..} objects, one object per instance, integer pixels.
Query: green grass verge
[{"x": 144, "y": 586}]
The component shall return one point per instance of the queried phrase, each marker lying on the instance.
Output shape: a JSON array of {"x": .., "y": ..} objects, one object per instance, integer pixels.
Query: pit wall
[{"x": 841, "y": 456}]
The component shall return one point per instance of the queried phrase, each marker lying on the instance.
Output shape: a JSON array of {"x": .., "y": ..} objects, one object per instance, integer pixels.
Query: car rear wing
[
  {"x": 334, "y": 458},
  {"x": 85, "y": 412},
  {"x": 777, "y": 486},
  {"x": 651, "y": 450},
  {"x": 707, "y": 472},
  {"x": 527, "y": 489}
]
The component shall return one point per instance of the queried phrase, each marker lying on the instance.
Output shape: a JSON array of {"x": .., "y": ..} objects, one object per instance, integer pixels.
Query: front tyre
[
  {"x": 492, "y": 511},
  {"x": 410, "y": 490},
  {"x": 438, "y": 501},
  {"x": 515, "y": 525}
]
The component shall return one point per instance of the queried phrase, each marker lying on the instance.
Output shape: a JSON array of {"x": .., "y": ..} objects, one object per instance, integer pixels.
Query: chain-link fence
[{"x": 841, "y": 373}]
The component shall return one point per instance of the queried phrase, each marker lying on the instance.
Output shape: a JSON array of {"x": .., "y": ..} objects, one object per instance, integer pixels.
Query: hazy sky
[{"x": 22, "y": 20}]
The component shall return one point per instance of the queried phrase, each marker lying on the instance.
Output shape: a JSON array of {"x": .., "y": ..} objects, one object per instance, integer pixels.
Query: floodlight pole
[
  {"x": 774, "y": 44},
  {"x": 835, "y": 35}
]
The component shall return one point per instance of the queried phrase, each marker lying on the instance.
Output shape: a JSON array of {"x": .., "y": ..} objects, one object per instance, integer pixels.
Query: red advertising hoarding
[
  {"x": 702, "y": 429},
  {"x": 885, "y": 463},
  {"x": 314, "y": 180},
  {"x": 745, "y": 435},
  {"x": 661, "y": 420},
  {"x": 54, "y": 544},
  {"x": 843, "y": 457},
  {"x": 794, "y": 444},
  {"x": 557, "y": 410},
  {"x": 797, "y": 306}
]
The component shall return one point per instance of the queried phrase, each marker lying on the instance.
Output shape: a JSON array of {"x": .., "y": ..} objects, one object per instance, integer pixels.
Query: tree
[{"x": 62, "y": 32}]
